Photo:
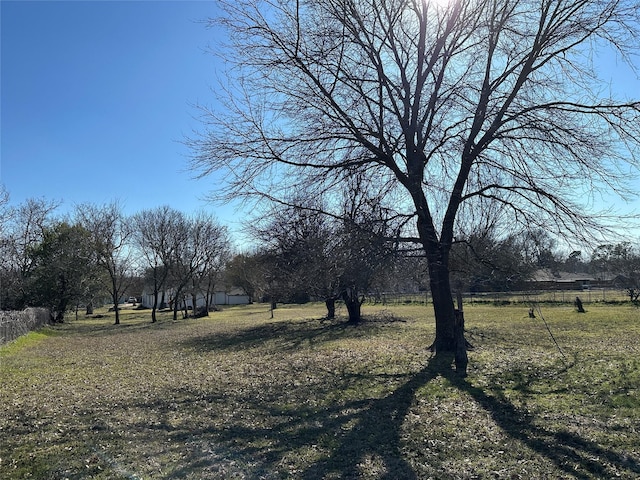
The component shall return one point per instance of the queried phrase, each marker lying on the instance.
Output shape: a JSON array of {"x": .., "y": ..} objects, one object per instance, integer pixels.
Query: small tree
[
  {"x": 212, "y": 244},
  {"x": 200, "y": 251},
  {"x": 23, "y": 228},
  {"x": 620, "y": 262},
  {"x": 243, "y": 270},
  {"x": 367, "y": 244},
  {"x": 63, "y": 265},
  {"x": 299, "y": 252},
  {"x": 157, "y": 234},
  {"x": 109, "y": 236},
  {"x": 310, "y": 254}
]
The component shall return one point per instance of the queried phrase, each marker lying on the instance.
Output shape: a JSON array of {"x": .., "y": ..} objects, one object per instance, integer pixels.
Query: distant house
[
  {"x": 232, "y": 296},
  {"x": 545, "y": 279}
]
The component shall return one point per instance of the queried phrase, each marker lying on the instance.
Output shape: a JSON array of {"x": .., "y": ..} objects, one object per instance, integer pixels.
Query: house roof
[{"x": 546, "y": 275}]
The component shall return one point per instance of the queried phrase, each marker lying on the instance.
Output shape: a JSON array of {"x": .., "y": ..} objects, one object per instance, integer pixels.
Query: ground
[{"x": 240, "y": 395}]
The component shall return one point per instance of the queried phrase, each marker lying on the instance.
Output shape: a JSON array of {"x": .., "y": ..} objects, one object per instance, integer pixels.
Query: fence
[
  {"x": 15, "y": 324},
  {"x": 594, "y": 295}
]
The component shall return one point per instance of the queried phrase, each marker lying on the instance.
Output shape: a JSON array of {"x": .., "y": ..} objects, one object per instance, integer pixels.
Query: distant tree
[
  {"x": 63, "y": 265},
  {"x": 367, "y": 243},
  {"x": 309, "y": 254},
  {"x": 443, "y": 103},
  {"x": 110, "y": 232},
  {"x": 298, "y": 250},
  {"x": 243, "y": 270},
  {"x": 211, "y": 241},
  {"x": 201, "y": 245},
  {"x": 23, "y": 228},
  {"x": 485, "y": 262},
  {"x": 620, "y": 262},
  {"x": 573, "y": 263},
  {"x": 157, "y": 233},
  {"x": 4, "y": 208},
  {"x": 539, "y": 249}
]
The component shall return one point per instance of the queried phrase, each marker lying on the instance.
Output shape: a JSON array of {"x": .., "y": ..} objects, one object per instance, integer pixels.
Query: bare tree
[
  {"x": 4, "y": 207},
  {"x": 211, "y": 245},
  {"x": 620, "y": 262},
  {"x": 367, "y": 236},
  {"x": 299, "y": 248},
  {"x": 201, "y": 248},
  {"x": 310, "y": 254},
  {"x": 110, "y": 234},
  {"x": 243, "y": 270},
  {"x": 23, "y": 228},
  {"x": 157, "y": 235},
  {"x": 444, "y": 104}
]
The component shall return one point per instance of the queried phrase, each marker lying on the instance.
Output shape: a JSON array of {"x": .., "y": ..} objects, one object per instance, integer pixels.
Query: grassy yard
[{"x": 240, "y": 395}]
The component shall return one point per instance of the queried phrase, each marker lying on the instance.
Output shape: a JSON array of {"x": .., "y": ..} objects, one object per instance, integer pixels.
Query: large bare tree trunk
[
  {"x": 449, "y": 321},
  {"x": 353, "y": 303},
  {"x": 444, "y": 311}
]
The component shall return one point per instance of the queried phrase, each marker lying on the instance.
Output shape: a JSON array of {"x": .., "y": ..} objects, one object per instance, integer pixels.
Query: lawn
[{"x": 241, "y": 395}]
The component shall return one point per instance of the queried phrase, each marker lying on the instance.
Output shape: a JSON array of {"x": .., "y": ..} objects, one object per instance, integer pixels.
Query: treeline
[
  {"x": 307, "y": 255},
  {"x": 99, "y": 255}
]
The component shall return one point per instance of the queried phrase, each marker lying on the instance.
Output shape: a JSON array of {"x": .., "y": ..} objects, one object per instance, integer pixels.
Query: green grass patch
[{"x": 241, "y": 395}]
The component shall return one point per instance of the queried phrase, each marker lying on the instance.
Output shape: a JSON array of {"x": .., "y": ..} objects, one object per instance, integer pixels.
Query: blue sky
[{"x": 97, "y": 96}]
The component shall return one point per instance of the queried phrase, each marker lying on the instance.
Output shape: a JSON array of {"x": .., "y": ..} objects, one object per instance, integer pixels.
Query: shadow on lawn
[
  {"x": 288, "y": 335},
  {"x": 576, "y": 456},
  {"x": 348, "y": 435},
  {"x": 376, "y": 434},
  {"x": 264, "y": 438}
]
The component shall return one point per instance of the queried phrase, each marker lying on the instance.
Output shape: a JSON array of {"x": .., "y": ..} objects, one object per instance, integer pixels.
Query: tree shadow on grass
[
  {"x": 286, "y": 335},
  {"x": 375, "y": 436},
  {"x": 264, "y": 436},
  {"x": 348, "y": 439},
  {"x": 575, "y": 456},
  {"x": 347, "y": 435},
  {"x": 371, "y": 430}
]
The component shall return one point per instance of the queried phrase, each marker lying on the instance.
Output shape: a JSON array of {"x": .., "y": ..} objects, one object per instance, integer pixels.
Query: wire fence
[
  {"x": 594, "y": 295},
  {"x": 14, "y": 324}
]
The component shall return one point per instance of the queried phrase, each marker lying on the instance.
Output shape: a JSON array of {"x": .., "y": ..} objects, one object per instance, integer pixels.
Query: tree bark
[
  {"x": 116, "y": 306},
  {"x": 163, "y": 301},
  {"x": 444, "y": 311},
  {"x": 449, "y": 321},
  {"x": 155, "y": 305},
  {"x": 449, "y": 329},
  {"x": 175, "y": 308},
  {"x": 353, "y": 304},
  {"x": 331, "y": 307}
]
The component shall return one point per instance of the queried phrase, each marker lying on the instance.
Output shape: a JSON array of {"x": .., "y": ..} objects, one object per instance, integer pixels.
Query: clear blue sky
[{"x": 96, "y": 97}]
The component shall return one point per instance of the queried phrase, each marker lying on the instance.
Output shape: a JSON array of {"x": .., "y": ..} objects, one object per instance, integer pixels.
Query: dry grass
[{"x": 238, "y": 395}]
